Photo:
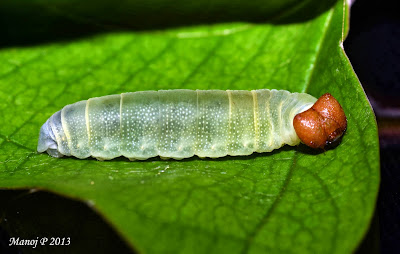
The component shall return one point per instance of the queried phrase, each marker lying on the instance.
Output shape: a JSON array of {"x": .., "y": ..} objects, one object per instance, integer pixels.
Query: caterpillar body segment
[{"x": 175, "y": 124}]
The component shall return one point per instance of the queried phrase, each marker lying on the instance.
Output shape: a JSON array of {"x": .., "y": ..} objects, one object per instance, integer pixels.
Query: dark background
[{"x": 373, "y": 49}]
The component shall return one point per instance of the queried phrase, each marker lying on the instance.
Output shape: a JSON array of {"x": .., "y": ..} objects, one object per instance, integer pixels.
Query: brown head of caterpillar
[{"x": 322, "y": 124}]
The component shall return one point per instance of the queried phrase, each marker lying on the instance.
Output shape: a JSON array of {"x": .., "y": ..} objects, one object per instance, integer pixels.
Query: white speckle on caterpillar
[{"x": 175, "y": 124}]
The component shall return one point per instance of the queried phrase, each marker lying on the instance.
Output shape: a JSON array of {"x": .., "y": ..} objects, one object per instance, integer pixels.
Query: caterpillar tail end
[
  {"x": 47, "y": 141},
  {"x": 324, "y": 123}
]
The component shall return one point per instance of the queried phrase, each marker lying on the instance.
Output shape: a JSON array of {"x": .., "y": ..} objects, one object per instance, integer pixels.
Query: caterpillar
[{"x": 182, "y": 123}]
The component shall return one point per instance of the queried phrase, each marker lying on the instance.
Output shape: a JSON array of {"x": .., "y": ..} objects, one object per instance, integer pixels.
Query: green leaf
[{"x": 291, "y": 200}]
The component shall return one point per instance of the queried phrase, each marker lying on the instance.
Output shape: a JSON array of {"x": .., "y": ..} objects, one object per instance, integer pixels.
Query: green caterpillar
[{"x": 175, "y": 124}]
